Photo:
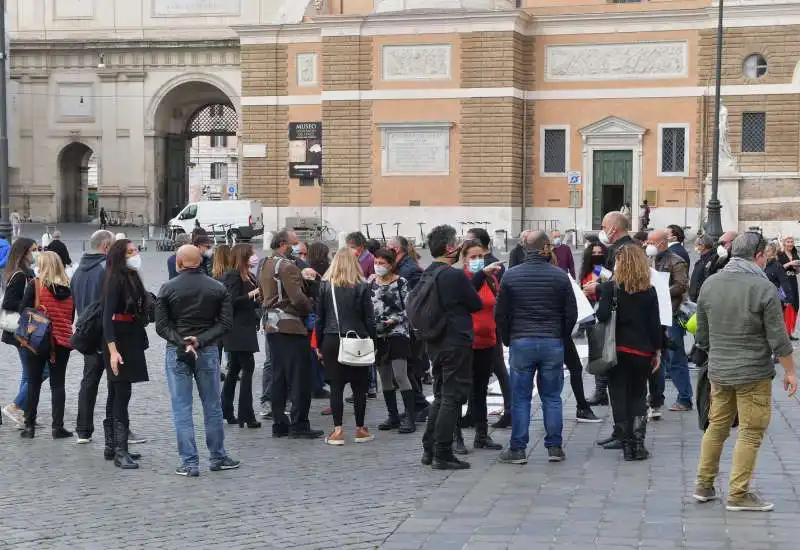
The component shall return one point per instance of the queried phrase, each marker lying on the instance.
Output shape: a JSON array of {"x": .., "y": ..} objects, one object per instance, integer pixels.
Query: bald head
[
  {"x": 658, "y": 238},
  {"x": 188, "y": 257},
  {"x": 615, "y": 226},
  {"x": 536, "y": 241},
  {"x": 727, "y": 239}
]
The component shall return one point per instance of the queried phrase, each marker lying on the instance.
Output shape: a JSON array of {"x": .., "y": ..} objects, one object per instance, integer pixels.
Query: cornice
[{"x": 109, "y": 45}]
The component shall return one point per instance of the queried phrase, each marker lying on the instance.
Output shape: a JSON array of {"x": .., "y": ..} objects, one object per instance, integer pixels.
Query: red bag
[
  {"x": 314, "y": 339},
  {"x": 789, "y": 318}
]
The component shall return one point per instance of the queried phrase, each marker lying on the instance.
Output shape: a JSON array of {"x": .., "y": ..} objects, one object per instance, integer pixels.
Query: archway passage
[
  {"x": 74, "y": 190},
  {"x": 196, "y": 149}
]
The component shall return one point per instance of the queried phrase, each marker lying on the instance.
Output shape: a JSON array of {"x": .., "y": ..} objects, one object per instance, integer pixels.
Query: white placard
[
  {"x": 585, "y": 309},
  {"x": 413, "y": 150},
  {"x": 660, "y": 282},
  {"x": 254, "y": 150},
  {"x": 297, "y": 151}
]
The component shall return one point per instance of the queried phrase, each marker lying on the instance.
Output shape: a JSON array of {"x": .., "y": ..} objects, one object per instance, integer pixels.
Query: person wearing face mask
[
  {"x": 674, "y": 360},
  {"x": 704, "y": 246},
  {"x": 300, "y": 255},
  {"x": 486, "y": 284},
  {"x": 451, "y": 351},
  {"x": 722, "y": 253},
  {"x": 389, "y": 293},
  {"x": 204, "y": 244},
  {"x": 562, "y": 253},
  {"x": 357, "y": 243},
  {"x": 517, "y": 254}
]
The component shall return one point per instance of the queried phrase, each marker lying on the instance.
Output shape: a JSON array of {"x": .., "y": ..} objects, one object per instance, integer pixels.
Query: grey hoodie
[{"x": 87, "y": 281}]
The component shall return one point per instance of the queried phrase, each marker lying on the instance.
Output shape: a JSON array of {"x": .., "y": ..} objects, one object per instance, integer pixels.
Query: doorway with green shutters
[{"x": 612, "y": 182}]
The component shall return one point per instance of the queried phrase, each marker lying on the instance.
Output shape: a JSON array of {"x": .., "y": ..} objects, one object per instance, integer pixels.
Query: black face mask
[{"x": 598, "y": 259}]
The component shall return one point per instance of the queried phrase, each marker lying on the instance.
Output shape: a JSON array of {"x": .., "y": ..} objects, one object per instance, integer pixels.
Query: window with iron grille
[
  {"x": 754, "y": 132},
  {"x": 673, "y": 150},
  {"x": 217, "y": 170},
  {"x": 219, "y": 141},
  {"x": 555, "y": 151}
]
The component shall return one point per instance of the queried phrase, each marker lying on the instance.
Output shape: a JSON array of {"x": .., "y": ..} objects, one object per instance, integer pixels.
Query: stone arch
[
  {"x": 188, "y": 78},
  {"x": 73, "y": 188}
]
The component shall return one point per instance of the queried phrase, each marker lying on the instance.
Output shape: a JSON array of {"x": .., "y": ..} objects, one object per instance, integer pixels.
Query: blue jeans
[
  {"x": 22, "y": 395},
  {"x": 266, "y": 376},
  {"x": 674, "y": 362},
  {"x": 179, "y": 381},
  {"x": 531, "y": 357}
]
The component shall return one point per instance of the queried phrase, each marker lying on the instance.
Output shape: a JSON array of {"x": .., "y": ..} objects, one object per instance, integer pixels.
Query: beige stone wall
[
  {"x": 770, "y": 212},
  {"x": 784, "y": 191},
  {"x": 495, "y": 133},
  {"x": 264, "y": 70},
  {"x": 346, "y": 63},
  {"x": 266, "y": 179}
]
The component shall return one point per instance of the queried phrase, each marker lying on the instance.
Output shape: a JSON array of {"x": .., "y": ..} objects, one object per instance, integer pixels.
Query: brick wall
[
  {"x": 782, "y": 144},
  {"x": 494, "y": 132},
  {"x": 266, "y": 179},
  {"x": 770, "y": 212},
  {"x": 347, "y": 125},
  {"x": 779, "y": 45},
  {"x": 264, "y": 70}
]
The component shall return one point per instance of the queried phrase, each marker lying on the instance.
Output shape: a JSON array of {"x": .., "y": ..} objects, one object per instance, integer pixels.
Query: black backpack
[
  {"x": 88, "y": 336},
  {"x": 424, "y": 307}
]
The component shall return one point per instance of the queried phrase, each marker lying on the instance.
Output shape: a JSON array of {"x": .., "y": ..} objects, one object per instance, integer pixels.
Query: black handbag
[{"x": 603, "y": 343}]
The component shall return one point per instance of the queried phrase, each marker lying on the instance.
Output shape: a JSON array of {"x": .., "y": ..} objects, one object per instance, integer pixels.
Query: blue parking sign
[{"x": 573, "y": 178}]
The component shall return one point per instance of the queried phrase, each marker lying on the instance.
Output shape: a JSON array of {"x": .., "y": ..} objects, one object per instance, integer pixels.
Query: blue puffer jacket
[
  {"x": 5, "y": 250},
  {"x": 535, "y": 301}
]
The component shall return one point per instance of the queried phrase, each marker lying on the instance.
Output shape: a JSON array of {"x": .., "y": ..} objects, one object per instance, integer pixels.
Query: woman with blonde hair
[
  {"x": 639, "y": 338},
  {"x": 344, "y": 305},
  {"x": 222, "y": 261},
  {"x": 49, "y": 292},
  {"x": 790, "y": 259}
]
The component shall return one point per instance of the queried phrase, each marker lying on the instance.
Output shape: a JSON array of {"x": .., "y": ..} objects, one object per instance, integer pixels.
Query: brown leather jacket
[
  {"x": 669, "y": 262},
  {"x": 294, "y": 302}
]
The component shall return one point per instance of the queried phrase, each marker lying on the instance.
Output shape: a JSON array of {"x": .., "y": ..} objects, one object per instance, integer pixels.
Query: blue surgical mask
[
  {"x": 296, "y": 249},
  {"x": 476, "y": 265}
]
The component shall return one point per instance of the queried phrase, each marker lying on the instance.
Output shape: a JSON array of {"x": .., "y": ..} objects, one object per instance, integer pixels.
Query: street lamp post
[{"x": 714, "y": 208}]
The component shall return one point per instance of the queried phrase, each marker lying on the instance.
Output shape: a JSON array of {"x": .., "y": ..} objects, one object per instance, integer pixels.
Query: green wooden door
[{"x": 612, "y": 179}]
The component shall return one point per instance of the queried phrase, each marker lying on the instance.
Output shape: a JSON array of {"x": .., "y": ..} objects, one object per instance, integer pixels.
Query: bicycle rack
[
  {"x": 397, "y": 228},
  {"x": 366, "y": 226},
  {"x": 423, "y": 244},
  {"x": 383, "y": 235}
]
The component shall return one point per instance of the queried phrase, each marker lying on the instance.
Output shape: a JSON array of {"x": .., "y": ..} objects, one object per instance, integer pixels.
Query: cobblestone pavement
[{"x": 300, "y": 494}]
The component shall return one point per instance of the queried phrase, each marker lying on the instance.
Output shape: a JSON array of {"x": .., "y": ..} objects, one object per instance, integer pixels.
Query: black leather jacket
[
  {"x": 355, "y": 312},
  {"x": 193, "y": 304}
]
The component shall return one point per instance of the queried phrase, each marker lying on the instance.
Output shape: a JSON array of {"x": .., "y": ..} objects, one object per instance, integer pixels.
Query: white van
[{"x": 240, "y": 219}]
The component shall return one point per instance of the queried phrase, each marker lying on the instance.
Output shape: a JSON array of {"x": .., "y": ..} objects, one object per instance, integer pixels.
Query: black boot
[
  {"x": 121, "y": 457},
  {"x": 29, "y": 431},
  {"x": 393, "y": 422},
  {"x": 628, "y": 444},
  {"x": 409, "y": 424},
  {"x": 448, "y": 461},
  {"x": 108, "y": 432},
  {"x": 600, "y": 397},
  {"x": 482, "y": 438},
  {"x": 458, "y": 441},
  {"x": 504, "y": 422},
  {"x": 467, "y": 421},
  {"x": 640, "y": 452},
  {"x": 615, "y": 441}
]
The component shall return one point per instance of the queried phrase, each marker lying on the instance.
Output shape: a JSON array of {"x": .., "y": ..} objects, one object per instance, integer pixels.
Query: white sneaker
[
  {"x": 14, "y": 414},
  {"x": 83, "y": 440},
  {"x": 266, "y": 411},
  {"x": 654, "y": 413}
]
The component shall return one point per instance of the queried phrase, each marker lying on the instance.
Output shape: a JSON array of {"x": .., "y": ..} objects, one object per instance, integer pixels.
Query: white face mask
[
  {"x": 208, "y": 253},
  {"x": 722, "y": 252},
  {"x": 557, "y": 242},
  {"x": 651, "y": 250},
  {"x": 134, "y": 262},
  {"x": 604, "y": 238},
  {"x": 381, "y": 270}
]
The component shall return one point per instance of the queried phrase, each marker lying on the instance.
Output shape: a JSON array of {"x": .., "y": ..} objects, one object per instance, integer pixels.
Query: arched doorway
[
  {"x": 74, "y": 170},
  {"x": 196, "y": 149}
]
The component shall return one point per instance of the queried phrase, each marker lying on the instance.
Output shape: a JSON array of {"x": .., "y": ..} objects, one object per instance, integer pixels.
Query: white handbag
[
  {"x": 353, "y": 350},
  {"x": 9, "y": 320}
]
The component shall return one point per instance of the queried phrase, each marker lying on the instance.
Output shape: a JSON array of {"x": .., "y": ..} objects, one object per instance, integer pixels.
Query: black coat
[
  {"x": 60, "y": 248},
  {"x": 700, "y": 272},
  {"x": 12, "y": 299},
  {"x": 777, "y": 276},
  {"x": 243, "y": 335},
  {"x": 130, "y": 337},
  {"x": 409, "y": 270},
  {"x": 356, "y": 312}
]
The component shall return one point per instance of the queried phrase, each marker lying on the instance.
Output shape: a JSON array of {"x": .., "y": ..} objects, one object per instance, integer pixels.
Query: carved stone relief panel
[
  {"x": 307, "y": 69},
  {"x": 417, "y": 62},
  {"x": 74, "y": 9},
  {"x": 173, "y": 8},
  {"x": 636, "y": 61}
]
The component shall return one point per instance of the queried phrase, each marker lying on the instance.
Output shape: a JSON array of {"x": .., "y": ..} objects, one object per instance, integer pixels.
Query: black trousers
[
  {"x": 452, "y": 385},
  {"x": 58, "y": 395},
  {"x": 93, "y": 369},
  {"x": 483, "y": 362},
  {"x": 575, "y": 367},
  {"x": 417, "y": 367},
  {"x": 339, "y": 376},
  {"x": 240, "y": 362},
  {"x": 501, "y": 372},
  {"x": 119, "y": 397},
  {"x": 291, "y": 372},
  {"x": 627, "y": 385}
]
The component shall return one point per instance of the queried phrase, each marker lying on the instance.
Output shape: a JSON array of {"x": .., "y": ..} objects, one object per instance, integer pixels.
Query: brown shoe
[
  {"x": 704, "y": 494},
  {"x": 363, "y": 435},
  {"x": 336, "y": 437}
]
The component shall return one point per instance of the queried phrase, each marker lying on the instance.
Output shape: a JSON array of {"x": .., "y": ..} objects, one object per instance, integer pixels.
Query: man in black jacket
[
  {"x": 675, "y": 238},
  {"x": 705, "y": 247},
  {"x": 536, "y": 310},
  {"x": 451, "y": 352},
  {"x": 57, "y": 245},
  {"x": 86, "y": 286},
  {"x": 193, "y": 313},
  {"x": 722, "y": 254},
  {"x": 407, "y": 267}
]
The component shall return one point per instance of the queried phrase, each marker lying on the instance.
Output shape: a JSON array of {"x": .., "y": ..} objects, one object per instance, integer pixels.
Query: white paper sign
[
  {"x": 585, "y": 309},
  {"x": 660, "y": 282}
]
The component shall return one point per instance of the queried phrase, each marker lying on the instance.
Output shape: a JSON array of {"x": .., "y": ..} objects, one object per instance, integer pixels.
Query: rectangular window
[
  {"x": 217, "y": 170},
  {"x": 555, "y": 150},
  {"x": 219, "y": 141},
  {"x": 754, "y": 131},
  {"x": 673, "y": 150}
]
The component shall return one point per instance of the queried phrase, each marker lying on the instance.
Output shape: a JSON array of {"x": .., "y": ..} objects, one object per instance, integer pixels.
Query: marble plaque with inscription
[
  {"x": 419, "y": 151},
  {"x": 416, "y": 62},
  {"x": 634, "y": 61},
  {"x": 170, "y": 8}
]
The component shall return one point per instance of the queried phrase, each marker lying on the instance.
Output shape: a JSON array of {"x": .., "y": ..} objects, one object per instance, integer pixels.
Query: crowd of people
[{"x": 372, "y": 317}]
